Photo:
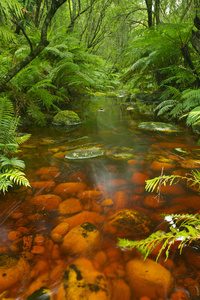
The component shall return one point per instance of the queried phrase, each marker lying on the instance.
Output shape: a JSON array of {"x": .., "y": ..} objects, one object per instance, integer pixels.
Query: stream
[{"x": 58, "y": 237}]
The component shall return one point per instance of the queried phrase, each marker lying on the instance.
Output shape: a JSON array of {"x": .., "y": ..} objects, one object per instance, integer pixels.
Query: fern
[
  {"x": 165, "y": 106},
  {"x": 10, "y": 177},
  {"x": 12, "y": 162},
  {"x": 185, "y": 229}
]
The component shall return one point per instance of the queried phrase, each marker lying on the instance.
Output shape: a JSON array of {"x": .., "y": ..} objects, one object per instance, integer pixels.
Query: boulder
[
  {"x": 129, "y": 223},
  {"x": 82, "y": 281},
  {"x": 148, "y": 278},
  {"x": 158, "y": 126},
  {"x": 66, "y": 117},
  {"x": 49, "y": 202},
  {"x": 12, "y": 270},
  {"x": 81, "y": 240}
]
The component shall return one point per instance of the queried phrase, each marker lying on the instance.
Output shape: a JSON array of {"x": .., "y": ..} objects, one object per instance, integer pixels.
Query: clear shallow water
[{"x": 108, "y": 125}]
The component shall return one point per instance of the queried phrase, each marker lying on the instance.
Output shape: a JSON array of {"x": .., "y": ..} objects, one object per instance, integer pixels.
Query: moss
[{"x": 66, "y": 117}]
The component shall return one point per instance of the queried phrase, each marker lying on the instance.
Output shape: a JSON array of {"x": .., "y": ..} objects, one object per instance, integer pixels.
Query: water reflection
[{"x": 66, "y": 194}]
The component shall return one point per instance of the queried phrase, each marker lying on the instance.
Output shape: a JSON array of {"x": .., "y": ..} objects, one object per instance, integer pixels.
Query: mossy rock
[
  {"x": 66, "y": 117},
  {"x": 42, "y": 294},
  {"x": 84, "y": 153},
  {"x": 158, "y": 126},
  {"x": 120, "y": 153},
  {"x": 12, "y": 270},
  {"x": 129, "y": 223}
]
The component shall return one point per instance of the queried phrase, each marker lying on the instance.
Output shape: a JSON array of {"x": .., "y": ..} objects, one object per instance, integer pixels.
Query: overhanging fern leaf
[{"x": 193, "y": 116}]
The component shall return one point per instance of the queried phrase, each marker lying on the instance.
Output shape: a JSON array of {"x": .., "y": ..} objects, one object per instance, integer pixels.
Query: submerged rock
[
  {"x": 42, "y": 294},
  {"x": 12, "y": 270},
  {"x": 148, "y": 278},
  {"x": 129, "y": 223},
  {"x": 84, "y": 153},
  {"x": 158, "y": 126},
  {"x": 66, "y": 117},
  {"x": 82, "y": 281},
  {"x": 82, "y": 239}
]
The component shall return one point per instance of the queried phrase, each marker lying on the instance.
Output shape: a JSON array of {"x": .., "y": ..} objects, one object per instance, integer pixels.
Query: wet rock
[
  {"x": 92, "y": 217},
  {"x": 42, "y": 294},
  {"x": 70, "y": 206},
  {"x": 84, "y": 153},
  {"x": 121, "y": 200},
  {"x": 69, "y": 188},
  {"x": 47, "y": 186},
  {"x": 49, "y": 202},
  {"x": 12, "y": 270},
  {"x": 158, "y": 165},
  {"x": 148, "y": 278},
  {"x": 81, "y": 239},
  {"x": 139, "y": 178},
  {"x": 153, "y": 201},
  {"x": 121, "y": 290},
  {"x": 90, "y": 195},
  {"x": 129, "y": 223},
  {"x": 180, "y": 294},
  {"x": 82, "y": 281},
  {"x": 158, "y": 126},
  {"x": 66, "y": 117}
]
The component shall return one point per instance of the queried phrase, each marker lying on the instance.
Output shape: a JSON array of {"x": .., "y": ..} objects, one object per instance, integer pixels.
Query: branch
[{"x": 38, "y": 49}]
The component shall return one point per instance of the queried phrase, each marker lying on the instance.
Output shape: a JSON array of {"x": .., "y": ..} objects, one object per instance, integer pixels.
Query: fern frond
[
  {"x": 155, "y": 183},
  {"x": 193, "y": 116},
  {"x": 10, "y": 177},
  {"x": 22, "y": 139},
  {"x": 165, "y": 106}
]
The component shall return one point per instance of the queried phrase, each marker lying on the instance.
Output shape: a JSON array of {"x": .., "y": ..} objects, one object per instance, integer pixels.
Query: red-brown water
[{"x": 26, "y": 227}]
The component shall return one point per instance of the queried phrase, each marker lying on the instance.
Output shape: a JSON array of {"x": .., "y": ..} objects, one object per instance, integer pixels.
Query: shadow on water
[{"x": 95, "y": 191}]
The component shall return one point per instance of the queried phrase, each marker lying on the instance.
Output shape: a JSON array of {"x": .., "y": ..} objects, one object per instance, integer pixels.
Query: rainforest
[{"x": 99, "y": 150}]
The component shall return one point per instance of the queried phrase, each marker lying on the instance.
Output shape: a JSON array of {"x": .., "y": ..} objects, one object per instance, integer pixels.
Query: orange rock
[
  {"x": 107, "y": 202},
  {"x": 148, "y": 278},
  {"x": 89, "y": 195},
  {"x": 69, "y": 188},
  {"x": 39, "y": 268},
  {"x": 175, "y": 209},
  {"x": 89, "y": 216},
  {"x": 12, "y": 270},
  {"x": 27, "y": 243},
  {"x": 139, "y": 178},
  {"x": 23, "y": 230},
  {"x": 61, "y": 229},
  {"x": 70, "y": 206},
  {"x": 77, "y": 176},
  {"x": 175, "y": 189},
  {"x": 55, "y": 254},
  {"x": 41, "y": 281},
  {"x": 188, "y": 201},
  {"x": 110, "y": 270},
  {"x": 121, "y": 200},
  {"x": 39, "y": 239},
  {"x": 17, "y": 215},
  {"x": 14, "y": 235},
  {"x": 139, "y": 190},
  {"x": 121, "y": 290},
  {"x": 49, "y": 202},
  {"x": 168, "y": 264},
  {"x": 153, "y": 201},
  {"x": 180, "y": 295},
  {"x": 113, "y": 254},
  {"x": 48, "y": 170},
  {"x": 99, "y": 259},
  {"x": 56, "y": 237},
  {"x": 47, "y": 186},
  {"x": 133, "y": 162},
  {"x": 81, "y": 240},
  {"x": 38, "y": 249},
  {"x": 93, "y": 206},
  {"x": 158, "y": 165},
  {"x": 117, "y": 182}
]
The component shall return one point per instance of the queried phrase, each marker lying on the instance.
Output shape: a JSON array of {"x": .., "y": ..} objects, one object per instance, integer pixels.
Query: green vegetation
[
  {"x": 183, "y": 228},
  {"x": 55, "y": 50},
  {"x": 10, "y": 166}
]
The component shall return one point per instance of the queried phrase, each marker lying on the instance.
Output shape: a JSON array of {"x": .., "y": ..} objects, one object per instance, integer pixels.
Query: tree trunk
[
  {"x": 149, "y": 12},
  {"x": 55, "y": 4}
]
